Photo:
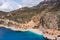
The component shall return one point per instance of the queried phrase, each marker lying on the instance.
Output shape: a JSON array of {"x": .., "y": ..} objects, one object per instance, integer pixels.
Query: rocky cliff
[{"x": 46, "y": 15}]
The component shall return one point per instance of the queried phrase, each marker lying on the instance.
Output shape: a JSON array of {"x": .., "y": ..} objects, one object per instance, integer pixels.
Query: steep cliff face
[
  {"x": 51, "y": 13},
  {"x": 45, "y": 14},
  {"x": 47, "y": 21}
]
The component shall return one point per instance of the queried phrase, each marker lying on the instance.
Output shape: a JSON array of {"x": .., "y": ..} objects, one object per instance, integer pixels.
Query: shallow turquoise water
[{"x": 7, "y": 34}]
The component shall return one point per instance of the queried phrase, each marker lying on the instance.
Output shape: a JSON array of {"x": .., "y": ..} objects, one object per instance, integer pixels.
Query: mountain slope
[{"x": 45, "y": 14}]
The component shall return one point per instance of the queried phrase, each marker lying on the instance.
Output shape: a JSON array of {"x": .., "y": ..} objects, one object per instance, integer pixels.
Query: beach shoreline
[{"x": 37, "y": 31}]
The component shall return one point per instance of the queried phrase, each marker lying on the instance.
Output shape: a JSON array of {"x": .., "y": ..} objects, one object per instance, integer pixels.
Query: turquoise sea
[{"x": 7, "y": 34}]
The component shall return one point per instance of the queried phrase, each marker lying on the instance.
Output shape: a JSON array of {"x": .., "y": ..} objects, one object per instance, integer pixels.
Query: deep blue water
[{"x": 7, "y": 34}]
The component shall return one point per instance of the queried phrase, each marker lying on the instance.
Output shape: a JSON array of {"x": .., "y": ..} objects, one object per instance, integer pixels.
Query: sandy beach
[{"x": 37, "y": 31}]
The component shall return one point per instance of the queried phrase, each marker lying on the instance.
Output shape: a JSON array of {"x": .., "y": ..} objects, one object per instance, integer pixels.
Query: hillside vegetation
[{"x": 47, "y": 13}]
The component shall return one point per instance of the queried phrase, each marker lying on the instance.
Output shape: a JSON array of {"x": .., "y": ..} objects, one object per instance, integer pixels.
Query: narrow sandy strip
[{"x": 37, "y": 31}]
